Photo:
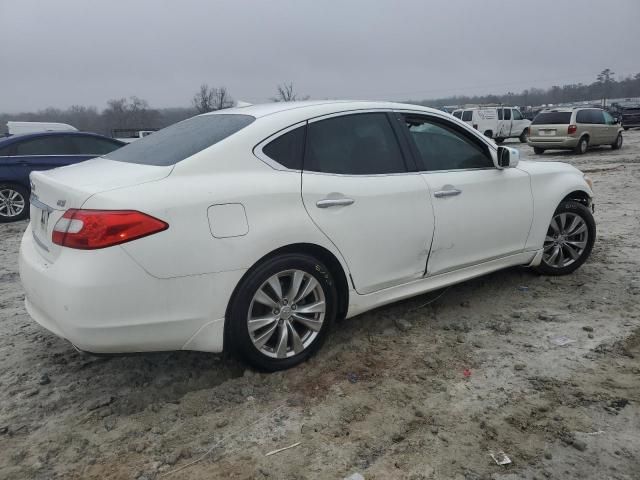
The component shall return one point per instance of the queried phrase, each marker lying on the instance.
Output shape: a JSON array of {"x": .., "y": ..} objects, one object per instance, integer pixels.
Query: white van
[
  {"x": 496, "y": 122},
  {"x": 16, "y": 128}
]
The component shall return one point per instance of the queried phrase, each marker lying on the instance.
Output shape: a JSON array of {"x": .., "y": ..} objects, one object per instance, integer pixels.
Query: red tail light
[
  {"x": 572, "y": 129},
  {"x": 93, "y": 229}
]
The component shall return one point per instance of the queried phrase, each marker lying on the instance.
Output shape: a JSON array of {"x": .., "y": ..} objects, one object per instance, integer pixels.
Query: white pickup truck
[{"x": 497, "y": 123}]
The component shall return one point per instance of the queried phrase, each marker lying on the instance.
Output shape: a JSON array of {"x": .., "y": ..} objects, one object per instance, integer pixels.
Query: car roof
[
  {"x": 22, "y": 136},
  {"x": 308, "y": 108}
]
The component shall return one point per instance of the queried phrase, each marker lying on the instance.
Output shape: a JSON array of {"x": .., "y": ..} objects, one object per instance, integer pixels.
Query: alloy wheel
[
  {"x": 566, "y": 240},
  {"x": 286, "y": 314},
  {"x": 12, "y": 203}
]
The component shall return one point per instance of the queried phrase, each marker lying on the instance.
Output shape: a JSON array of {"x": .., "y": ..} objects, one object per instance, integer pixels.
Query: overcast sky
[{"x": 64, "y": 52}]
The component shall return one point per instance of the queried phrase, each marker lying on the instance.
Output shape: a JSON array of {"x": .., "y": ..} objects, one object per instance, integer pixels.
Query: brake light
[
  {"x": 572, "y": 129},
  {"x": 93, "y": 229}
]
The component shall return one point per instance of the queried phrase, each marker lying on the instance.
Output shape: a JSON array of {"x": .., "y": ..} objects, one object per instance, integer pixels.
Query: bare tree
[
  {"x": 222, "y": 99},
  {"x": 286, "y": 93},
  {"x": 203, "y": 100},
  {"x": 209, "y": 99}
]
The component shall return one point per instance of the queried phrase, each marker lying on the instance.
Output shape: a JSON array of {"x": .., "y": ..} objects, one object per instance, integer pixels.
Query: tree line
[
  {"x": 136, "y": 113},
  {"x": 604, "y": 87}
]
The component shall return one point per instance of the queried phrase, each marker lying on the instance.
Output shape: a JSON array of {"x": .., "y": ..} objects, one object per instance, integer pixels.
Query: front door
[
  {"x": 357, "y": 189},
  {"x": 481, "y": 212}
]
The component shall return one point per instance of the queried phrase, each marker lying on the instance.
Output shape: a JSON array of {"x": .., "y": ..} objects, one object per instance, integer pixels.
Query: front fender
[{"x": 548, "y": 189}]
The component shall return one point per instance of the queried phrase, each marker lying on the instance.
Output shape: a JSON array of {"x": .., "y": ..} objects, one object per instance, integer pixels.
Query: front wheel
[
  {"x": 538, "y": 150},
  {"x": 282, "y": 311},
  {"x": 569, "y": 240},
  {"x": 618, "y": 143},
  {"x": 13, "y": 203},
  {"x": 524, "y": 136}
]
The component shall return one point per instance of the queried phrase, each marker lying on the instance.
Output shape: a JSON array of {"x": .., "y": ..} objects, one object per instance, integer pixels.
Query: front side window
[
  {"x": 517, "y": 115},
  {"x": 287, "y": 149},
  {"x": 53, "y": 145},
  {"x": 181, "y": 140},
  {"x": 357, "y": 144},
  {"x": 441, "y": 146},
  {"x": 609, "y": 120},
  {"x": 457, "y": 114},
  {"x": 467, "y": 115}
]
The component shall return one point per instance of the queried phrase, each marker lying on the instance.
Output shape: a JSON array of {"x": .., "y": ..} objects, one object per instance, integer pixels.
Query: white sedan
[{"x": 253, "y": 229}]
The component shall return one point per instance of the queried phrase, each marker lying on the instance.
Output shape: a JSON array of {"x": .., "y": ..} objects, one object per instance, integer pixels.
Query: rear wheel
[
  {"x": 13, "y": 203},
  {"x": 582, "y": 146},
  {"x": 538, "y": 150},
  {"x": 569, "y": 240},
  {"x": 618, "y": 143},
  {"x": 282, "y": 311}
]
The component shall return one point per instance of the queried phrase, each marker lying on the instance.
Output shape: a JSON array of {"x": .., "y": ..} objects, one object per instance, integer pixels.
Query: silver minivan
[{"x": 574, "y": 129}]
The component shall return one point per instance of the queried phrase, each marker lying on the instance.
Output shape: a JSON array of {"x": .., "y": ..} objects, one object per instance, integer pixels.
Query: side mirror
[{"x": 507, "y": 157}]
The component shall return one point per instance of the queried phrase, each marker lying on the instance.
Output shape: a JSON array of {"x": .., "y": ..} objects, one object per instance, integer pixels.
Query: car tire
[
  {"x": 569, "y": 239},
  {"x": 626, "y": 128},
  {"x": 618, "y": 143},
  {"x": 488, "y": 134},
  {"x": 14, "y": 203},
  {"x": 523, "y": 136},
  {"x": 538, "y": 150},
  {"x": 269, "y": 330},
  {"x": 499, "y": 140},
  {"x": 583, "y": 145}
]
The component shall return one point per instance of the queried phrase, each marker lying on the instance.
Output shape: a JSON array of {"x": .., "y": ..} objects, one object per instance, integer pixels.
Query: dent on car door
[
  {"x": 481, "y": 212},
  {"x": 357, "y": 189}
]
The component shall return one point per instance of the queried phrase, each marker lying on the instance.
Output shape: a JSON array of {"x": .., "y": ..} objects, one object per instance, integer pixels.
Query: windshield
[
  {"x": 552, "y": 118},
  {"x": 181, "y": 140}
]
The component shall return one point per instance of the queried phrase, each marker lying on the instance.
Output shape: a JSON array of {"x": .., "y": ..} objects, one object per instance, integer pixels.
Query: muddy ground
[{"x": 475, "y": 371}]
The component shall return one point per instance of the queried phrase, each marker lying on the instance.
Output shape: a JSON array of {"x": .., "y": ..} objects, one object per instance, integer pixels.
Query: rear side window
[
  {"x": 443, "y": 147},
  {"x": 87, "y": 145},
  {"x": 552, "y": 118},
  {"x": 287, "y": 149},
  {"x": 499, "y": 114},
  {"x": 597, "y": 117},
  {"x": 507, "y": 114},
  {"x": 359, "y": 144},
  {"x": 467, "y": 115},
  {"x": 53, "y": 145},
  {"x": 457, "y": 114},
  {"x": 181, "y": 140}
]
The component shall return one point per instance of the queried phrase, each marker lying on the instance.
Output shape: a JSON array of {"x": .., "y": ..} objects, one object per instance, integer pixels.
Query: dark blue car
[{"x": 21, "y": 154}]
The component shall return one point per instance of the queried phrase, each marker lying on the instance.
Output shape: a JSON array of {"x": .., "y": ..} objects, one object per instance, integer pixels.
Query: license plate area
[{"x": 547, "y": 133}]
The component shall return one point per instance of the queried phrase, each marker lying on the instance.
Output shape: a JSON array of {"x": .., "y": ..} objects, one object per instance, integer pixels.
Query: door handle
[
  {"x": 334, "y": 202},
  {"x": 451, "y": 192}
]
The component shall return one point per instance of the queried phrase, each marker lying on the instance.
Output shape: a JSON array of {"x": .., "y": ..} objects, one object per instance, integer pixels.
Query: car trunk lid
[{"x": 55, "y": 191}]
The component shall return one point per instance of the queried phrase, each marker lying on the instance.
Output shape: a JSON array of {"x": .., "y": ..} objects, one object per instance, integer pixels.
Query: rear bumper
[
  {"x": 553, "y": 142},
  {"x": 104, "y": 302}
]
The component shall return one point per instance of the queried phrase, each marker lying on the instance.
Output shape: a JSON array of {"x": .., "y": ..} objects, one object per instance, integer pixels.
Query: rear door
[
  {"x": 611, "y": 128},
  {"x": 481, "y": 212},
  {"x": 358, "y": 188},
  {"x": 504, "y": 127}
]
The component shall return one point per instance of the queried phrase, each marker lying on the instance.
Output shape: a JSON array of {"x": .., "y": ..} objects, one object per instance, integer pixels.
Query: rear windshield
[
  {"x": 177, "y": 142},
  {"x": 552, "y": 118}
]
